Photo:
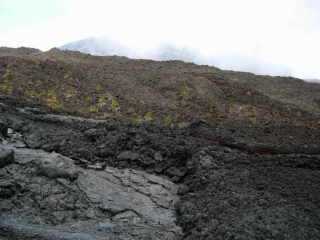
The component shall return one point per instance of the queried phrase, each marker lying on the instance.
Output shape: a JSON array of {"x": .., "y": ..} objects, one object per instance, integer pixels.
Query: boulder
[
  {"x": 57, "y": 166},
  {"x": 6, "y": 157},
  {"x": 128, "y": 155}
]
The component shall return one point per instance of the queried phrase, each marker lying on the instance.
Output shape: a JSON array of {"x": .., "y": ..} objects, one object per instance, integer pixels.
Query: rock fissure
[
  {"x": 53, "y": 195},
  {"x": 223, "y": 192}
]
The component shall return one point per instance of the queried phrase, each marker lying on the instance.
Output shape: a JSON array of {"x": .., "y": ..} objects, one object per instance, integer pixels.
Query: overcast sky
[{"x": 280, "y": 37}]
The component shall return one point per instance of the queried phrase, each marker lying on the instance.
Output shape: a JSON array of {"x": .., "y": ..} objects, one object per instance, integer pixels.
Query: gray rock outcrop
[{"x": 46, "y": 196}]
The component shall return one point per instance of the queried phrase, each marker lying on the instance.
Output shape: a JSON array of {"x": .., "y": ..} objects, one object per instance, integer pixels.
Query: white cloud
[{"x": 266, "y": 36}]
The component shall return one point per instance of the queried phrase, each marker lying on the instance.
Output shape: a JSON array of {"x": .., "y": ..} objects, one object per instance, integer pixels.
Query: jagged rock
[
  {"x": 128, "y": 155},
  {"x": 158, "y": 157},
  {"x": 11, "y": 229},
  {"x": 3, "y": 129},
  {"x": 7, "y": 189},
  {"x": 57, "y": 166},
  {"x": 176, "y": 172},
  {"x": 67, "y": 202},
  {"x": 206, "y": 161},
  {"x": 3, "y": 107},
  {"x": 234, "y": 183},
  {"x": 91, "y": 133},
  {"x": 6, "y": 157},
  {"x": 183, "y": 189}
]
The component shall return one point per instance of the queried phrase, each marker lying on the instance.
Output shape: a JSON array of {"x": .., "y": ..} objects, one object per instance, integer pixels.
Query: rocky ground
[
  {"x": 64, "y": 177},
  {"x": 46, "y": 195}
]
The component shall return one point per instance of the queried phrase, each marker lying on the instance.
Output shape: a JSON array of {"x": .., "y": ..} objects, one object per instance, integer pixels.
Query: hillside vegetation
[{"x": 168, "y": 92}]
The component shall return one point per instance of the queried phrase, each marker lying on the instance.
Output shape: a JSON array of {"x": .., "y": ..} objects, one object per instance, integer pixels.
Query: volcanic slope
[
  {"x": 169, "y": 92},
  {"x": 171, "y": 150}
]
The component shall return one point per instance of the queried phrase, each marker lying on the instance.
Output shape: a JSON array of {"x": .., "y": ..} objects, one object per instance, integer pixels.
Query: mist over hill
[
  {"x": 98, "y": 47},
  {"x": 166, "y": 51}
]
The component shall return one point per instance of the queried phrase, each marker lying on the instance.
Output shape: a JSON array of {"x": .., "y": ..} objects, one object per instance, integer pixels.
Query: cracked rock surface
[
  {"x": 75, "y": 178},
  {"x": 46, "y": 196}
]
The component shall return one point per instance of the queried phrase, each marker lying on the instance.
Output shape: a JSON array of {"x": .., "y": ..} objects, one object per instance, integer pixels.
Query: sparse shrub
[
  {"x": 32, "y": 93},
  {"x": 137, "y": 119},
  {"x": 6, "y": 86},
  {"x": 88, "y": 99},
  {"x": 102, "y": 101},
  {"x": 67, "y": 76},
  {"x": 185, "y": 92},
  {"x": 115, "y": 106},
  {"x": 8, "y": 76},
  {"x": 168, "y": 121},
  {"x": 99, "y": 88},
  {"x": 148, "y": 117},
  {"x": 52, "y": 100},
  {"x": 70, "y": 92},
  {"x": 93, "y": 109}
]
